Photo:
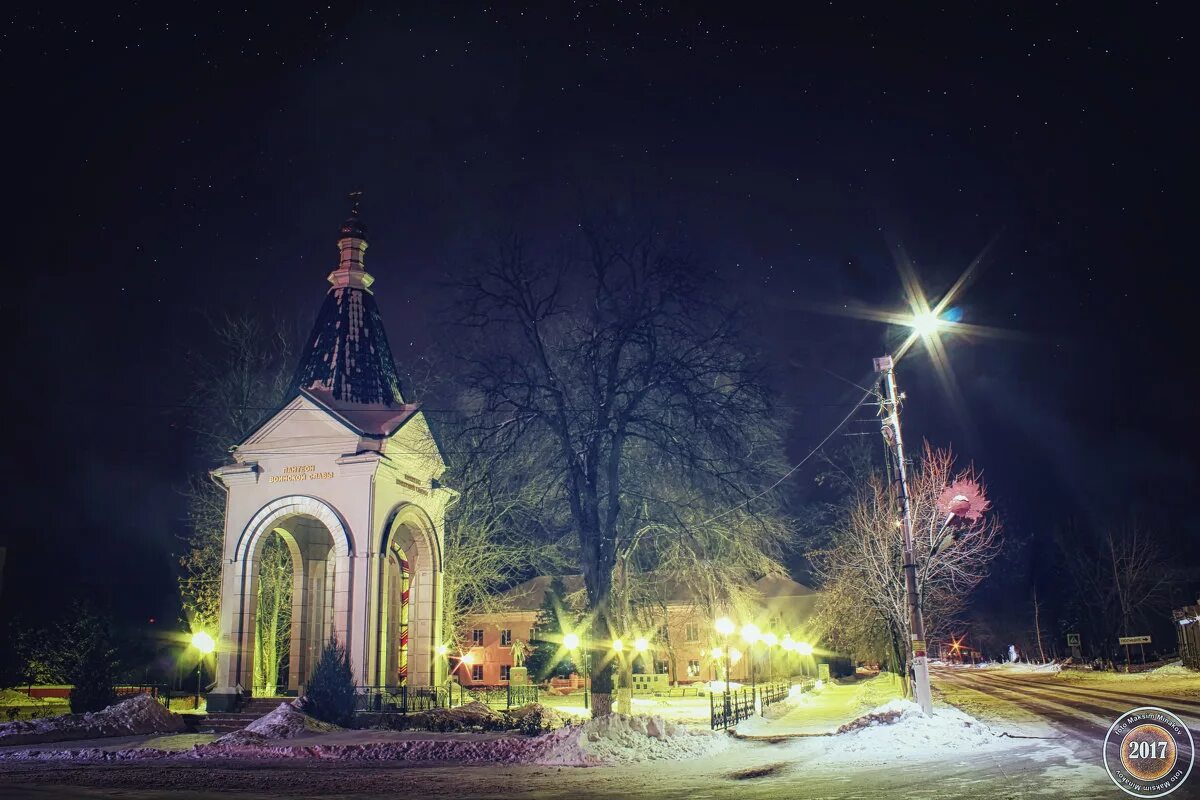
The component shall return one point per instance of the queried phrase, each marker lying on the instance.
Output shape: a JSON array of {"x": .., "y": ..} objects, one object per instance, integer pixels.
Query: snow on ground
[
  {"x": 1018, "y": 667},
  {"x": 621, "y": 739},
  {"x": 897, "y": 730},
  {"x": 138, "y": 715},
  {"x": 795, "y": 703},
  {"x": 285, "y": 722}
]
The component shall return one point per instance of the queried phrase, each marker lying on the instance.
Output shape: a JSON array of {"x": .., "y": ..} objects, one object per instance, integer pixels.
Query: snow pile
[
  {"x": 137, "y": 715},
  {"x": 898, "y": 730},
  {"x": 1049, "y": 668},
  {"x": 621, "y": 739},
  {"x": 285, "y": 722},
  {"x": 1174, "y": 668}
]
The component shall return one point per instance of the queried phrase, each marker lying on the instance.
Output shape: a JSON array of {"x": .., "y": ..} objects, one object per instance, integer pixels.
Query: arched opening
[
  {"x": 409, "y": 602},
  {"x": 393, "y": 657},
  {"x": 294, "y": 561}
]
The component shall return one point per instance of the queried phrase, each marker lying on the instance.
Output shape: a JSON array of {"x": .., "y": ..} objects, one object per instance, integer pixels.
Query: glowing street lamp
[
  {"x": 641, "y": 645},
  {"x": 205, "y": 645},
  {"x": 571, "y": 641},
  {"x": 618, "y": 646},
  {"x": 750, "y": 635},
  {"x": 724, "y": 626},
  {"x": 804, "y": 649}
]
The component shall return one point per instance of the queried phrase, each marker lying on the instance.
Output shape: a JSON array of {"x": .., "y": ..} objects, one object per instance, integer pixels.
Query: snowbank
[
  {"x": 616, "y": 739},
  {"x": 1174, "y": 668},
  {"x": 898, "y": 730},
  {"x": 1019, "y": 667},
  {"x": 137, "y": 715},
  {"x": 285, "y": 722},
  {"x": 621, "y": 739}
]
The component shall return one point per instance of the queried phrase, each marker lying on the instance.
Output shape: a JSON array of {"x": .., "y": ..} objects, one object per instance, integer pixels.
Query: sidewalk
[{"x": 822, "y": 712}]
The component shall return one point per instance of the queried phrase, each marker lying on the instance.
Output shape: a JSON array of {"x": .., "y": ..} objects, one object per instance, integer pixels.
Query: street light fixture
[
  {"x": 750, "y": 635},
  {"x": 205, "y": 645},
  {"x": 724, "y": 626}
]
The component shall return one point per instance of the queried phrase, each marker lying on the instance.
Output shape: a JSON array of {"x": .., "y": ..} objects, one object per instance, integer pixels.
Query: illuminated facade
[
  {"x": 680, "y": 643},
  {"x": 346, "y": 472}
]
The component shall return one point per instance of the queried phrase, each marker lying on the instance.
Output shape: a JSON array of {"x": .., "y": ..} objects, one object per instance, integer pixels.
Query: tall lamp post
[
  {"x": 916, "y": 623},
  {"x": 750, "y": 635},
  {"x": 204, "y": 645},
  {"x": 724, "y": 626}
]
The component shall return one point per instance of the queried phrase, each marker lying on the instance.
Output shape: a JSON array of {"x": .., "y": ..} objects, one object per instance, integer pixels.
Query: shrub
[{"x": 330, "y": 693}]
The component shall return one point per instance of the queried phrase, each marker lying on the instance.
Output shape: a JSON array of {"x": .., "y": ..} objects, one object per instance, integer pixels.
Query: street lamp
[
  {"x": 770, "y": 640},
  {"x": 805, "y": 651},
  {"x": 204, "y": 644},
  {"x": 724, "y": 626},
  {"x": 750, "y": 635}
]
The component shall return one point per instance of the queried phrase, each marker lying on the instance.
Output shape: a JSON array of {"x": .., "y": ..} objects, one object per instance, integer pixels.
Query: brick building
[{"x": 681, "y": 642}]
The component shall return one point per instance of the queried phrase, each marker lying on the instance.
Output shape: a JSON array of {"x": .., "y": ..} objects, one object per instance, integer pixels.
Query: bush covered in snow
[
  {"x": 534, "y": 718},
  {"x": 137, "y": 715}
]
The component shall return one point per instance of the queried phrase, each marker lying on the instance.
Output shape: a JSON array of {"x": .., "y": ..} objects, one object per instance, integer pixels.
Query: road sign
[
  {"x": 1134, "y": 640},
  {"x": 1072, "y": 640}
]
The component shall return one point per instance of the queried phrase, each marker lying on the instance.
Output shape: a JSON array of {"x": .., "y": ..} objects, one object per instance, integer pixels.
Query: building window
[
  {"x": 477, "y": 672},
  {"x": 504, "y": 672},
  {"x": 693, "y": 668},
  {"x": 477, "y": 637},
  {"x": 505, "y": 638},
  {"x": 661, "y": 667},
  {"x": 691, "y": 632}
]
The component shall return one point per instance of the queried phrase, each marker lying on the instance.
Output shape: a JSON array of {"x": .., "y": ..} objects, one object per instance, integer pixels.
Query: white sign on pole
[{"x": 1134, "y": 640}]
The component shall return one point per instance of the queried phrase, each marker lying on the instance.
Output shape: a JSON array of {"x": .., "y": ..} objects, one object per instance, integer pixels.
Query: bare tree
[
  {"x": 494, "y": 535},
  {"x": 1120, "y": 575},
  {"x": 863, "y": 571},
  {"x": 273, "y": 621},
  {"x": 233, "y": 389},
  {"x": 615, "y": 355}
]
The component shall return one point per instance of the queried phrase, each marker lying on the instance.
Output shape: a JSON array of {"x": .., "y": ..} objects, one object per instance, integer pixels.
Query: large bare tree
[
  {"x": 864, "y": 607},
  {"x": 236, "y": 384},
  {"x": 1120, "y": 574},
  {"x": 615, "y": 353}
]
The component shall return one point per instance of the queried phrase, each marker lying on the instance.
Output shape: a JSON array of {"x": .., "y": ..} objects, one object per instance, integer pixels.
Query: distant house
[
  {"x": 1187, "y": 629},
  {"x": 682, "y": 638}
]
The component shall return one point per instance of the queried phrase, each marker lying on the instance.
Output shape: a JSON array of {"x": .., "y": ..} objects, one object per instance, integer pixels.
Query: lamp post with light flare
[
  {"x": 890, "y": 407},
  {"x": 204, "y": 645}
]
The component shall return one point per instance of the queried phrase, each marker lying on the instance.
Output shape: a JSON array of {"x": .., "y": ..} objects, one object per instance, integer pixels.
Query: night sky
[{"x": 167, "y": 162}]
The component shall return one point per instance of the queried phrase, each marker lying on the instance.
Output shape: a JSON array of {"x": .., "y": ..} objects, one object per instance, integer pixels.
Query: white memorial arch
[{"x": 346, "y": 473}]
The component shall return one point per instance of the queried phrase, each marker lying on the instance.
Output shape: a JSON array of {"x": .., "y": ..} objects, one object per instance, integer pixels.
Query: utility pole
[{"x": 916, "y": 624}]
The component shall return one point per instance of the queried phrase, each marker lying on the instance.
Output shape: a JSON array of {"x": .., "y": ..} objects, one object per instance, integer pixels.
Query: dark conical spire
[{"x": 347, "y": 359}]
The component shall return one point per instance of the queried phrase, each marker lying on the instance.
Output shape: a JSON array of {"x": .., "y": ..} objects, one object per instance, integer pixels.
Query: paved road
[{"x": 1077, "y": 711}]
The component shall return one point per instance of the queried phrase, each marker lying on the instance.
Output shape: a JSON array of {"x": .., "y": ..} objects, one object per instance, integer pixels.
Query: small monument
[{"x": 518, "y": 674}]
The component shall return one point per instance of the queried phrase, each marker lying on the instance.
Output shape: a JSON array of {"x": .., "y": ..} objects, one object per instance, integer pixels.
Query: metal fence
[
  {"x": 726, "y": 709},
  {"x": 771, "y": 693},
  {"x": 404, "y": 699},
  {"x": 522, "y": 695},
  {"x": 410, "y": 699}
]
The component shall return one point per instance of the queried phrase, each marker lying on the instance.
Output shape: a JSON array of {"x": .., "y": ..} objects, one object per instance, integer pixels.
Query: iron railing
[
  {"x": 726, "y": 709},
  {"x": 522, "y": 695},
  {"x": 403, "y": 699},
  {"x": 411, "y": 699},
  {"x": 771, "y": 693}
]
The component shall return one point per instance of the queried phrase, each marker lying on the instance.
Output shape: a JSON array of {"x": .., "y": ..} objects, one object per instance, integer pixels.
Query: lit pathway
[{"x": 823, "y": 712}]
